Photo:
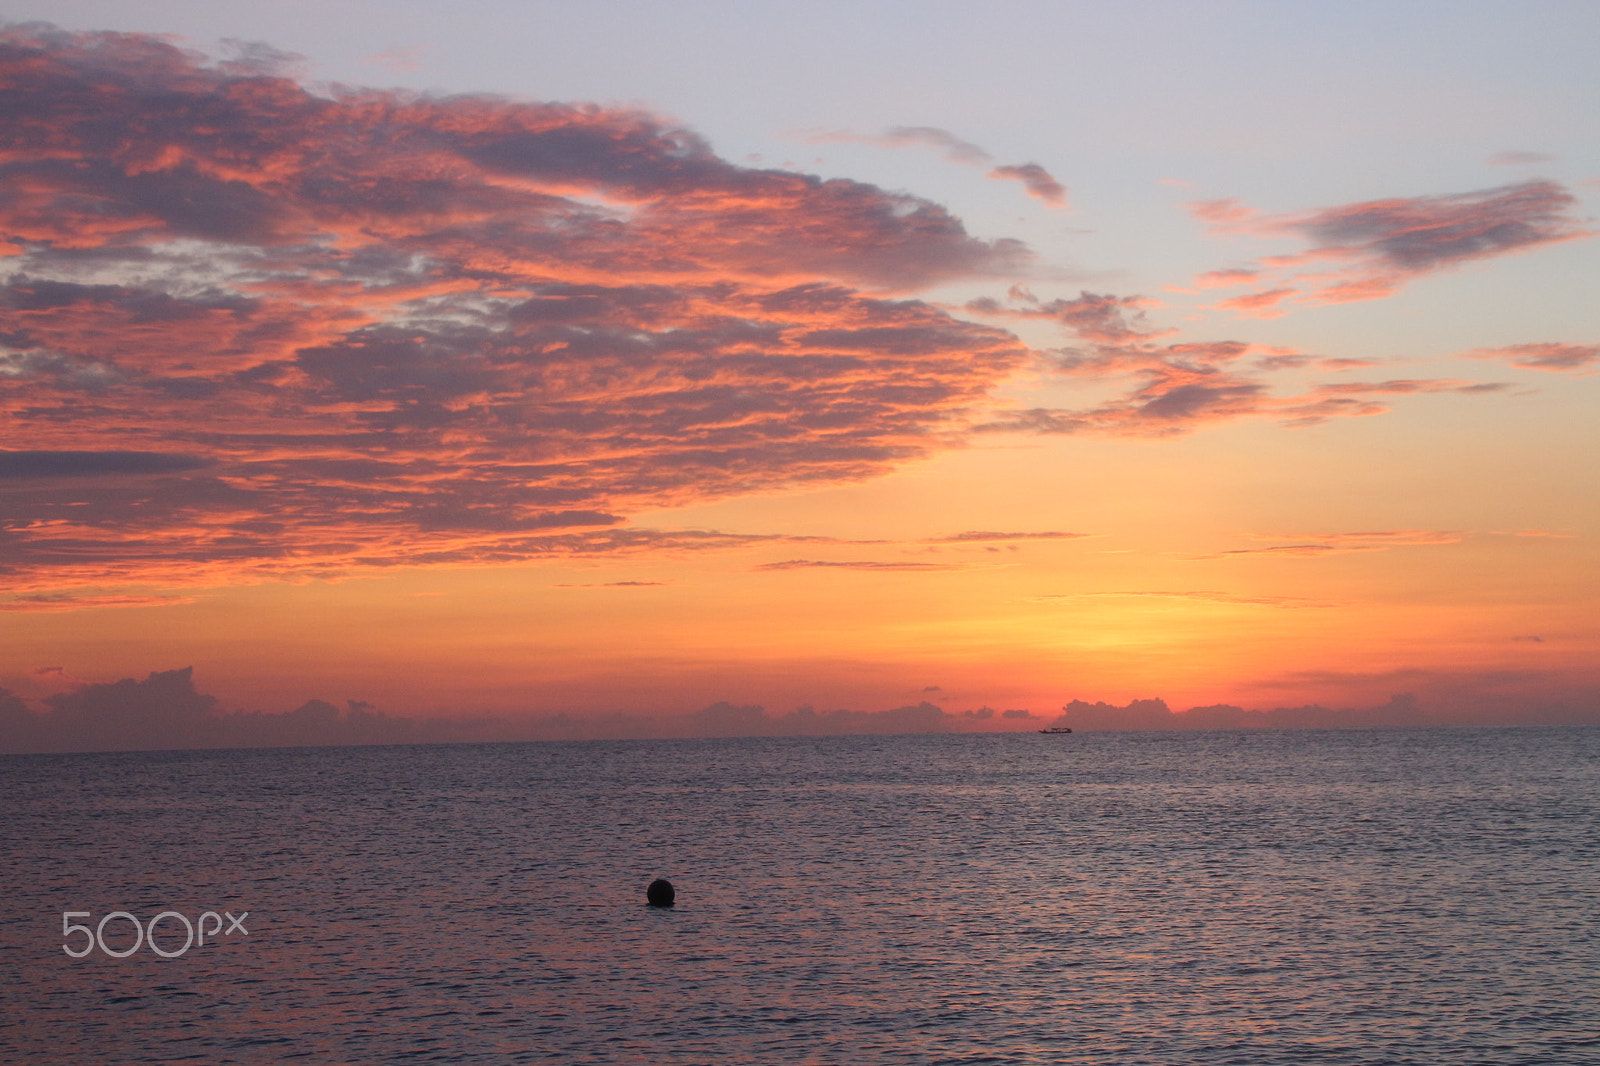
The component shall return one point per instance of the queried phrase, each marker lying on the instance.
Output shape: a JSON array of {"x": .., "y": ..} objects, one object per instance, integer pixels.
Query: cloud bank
[
  {"x": 246, "y": 330},
  {"x": 166, "y": 712}
]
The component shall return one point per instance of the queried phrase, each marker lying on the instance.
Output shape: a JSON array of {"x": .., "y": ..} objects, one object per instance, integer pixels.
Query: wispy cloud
[
  {"x": 954, "y": 148},
  {"x": 397, "y": 60},
  {"x": 1368, "y": 250},
  {"x": 1544, "y": 356},
  {"x": 1203, "y": 596},
  {"x": 65, "y": 601},
  {"x": 1038, "y": 182},
  {"x": 1181, "y": 386},
  {"x": 861, "y": 564},
  {"x": 983, "y": 536},
  {"x": 1338, "y": 543},
  {"x": 1515, "y": 158},
  {"x": 613, "y": 585}
]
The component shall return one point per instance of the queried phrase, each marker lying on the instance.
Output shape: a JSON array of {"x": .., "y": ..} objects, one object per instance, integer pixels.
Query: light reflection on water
[{"x": 1423, "y": 896}]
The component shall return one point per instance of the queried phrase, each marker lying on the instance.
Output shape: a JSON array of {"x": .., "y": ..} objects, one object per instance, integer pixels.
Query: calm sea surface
[{"x": 1383, "y": 896}]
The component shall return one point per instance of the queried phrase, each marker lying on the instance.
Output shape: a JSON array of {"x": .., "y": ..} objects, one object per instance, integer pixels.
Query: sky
[{"x": 629, "y": 363}]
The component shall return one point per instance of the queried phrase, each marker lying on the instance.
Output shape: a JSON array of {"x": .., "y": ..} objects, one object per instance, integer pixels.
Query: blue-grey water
[{"x": 1363, "y": 896}]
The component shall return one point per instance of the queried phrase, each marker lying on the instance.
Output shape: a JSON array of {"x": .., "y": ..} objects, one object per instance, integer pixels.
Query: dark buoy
[{"x": 660, "y": 893}]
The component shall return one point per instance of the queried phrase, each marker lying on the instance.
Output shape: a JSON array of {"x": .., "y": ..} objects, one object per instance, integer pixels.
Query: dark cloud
[
  {"x": 86, "y": 464},
  {"x": 402, "y": 328}
]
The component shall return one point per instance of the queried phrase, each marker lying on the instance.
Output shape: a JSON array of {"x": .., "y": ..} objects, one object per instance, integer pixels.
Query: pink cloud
[
  {"x": 1177, "y": 386},
  {"x": 1544, "y": 356},
  {"x": 1221, "y": 279},
  {"x": 1180, "y": 387},
  {"x": 253, "y": 332},
  {"x": 1037, "y": 180},
  {"x": 1369, "y": 250},
  {"x": 1259, "y": 304}
]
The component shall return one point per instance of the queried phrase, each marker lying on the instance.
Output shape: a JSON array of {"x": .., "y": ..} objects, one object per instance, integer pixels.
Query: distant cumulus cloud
[
  {"x": 1368, "y": 250},
  {"x": 249, "y": 330}
]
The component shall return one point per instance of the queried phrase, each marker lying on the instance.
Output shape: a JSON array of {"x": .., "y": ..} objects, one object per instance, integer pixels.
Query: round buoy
[{"x": 660, "y": 893}]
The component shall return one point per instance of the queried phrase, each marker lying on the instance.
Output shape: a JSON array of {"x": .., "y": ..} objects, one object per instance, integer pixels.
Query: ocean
[{"x": 1420, "y": 896}]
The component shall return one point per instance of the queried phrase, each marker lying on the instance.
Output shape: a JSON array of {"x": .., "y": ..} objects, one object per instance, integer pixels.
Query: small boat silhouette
[{"x": 1056, "y": 729}]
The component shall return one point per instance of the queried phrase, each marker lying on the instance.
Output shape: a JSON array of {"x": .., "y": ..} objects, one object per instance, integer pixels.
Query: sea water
[{"x": 1363, "y": 896}]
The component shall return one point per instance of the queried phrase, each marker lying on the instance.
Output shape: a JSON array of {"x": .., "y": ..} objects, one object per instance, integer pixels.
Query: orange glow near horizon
[{"x": 462, "y": 406}]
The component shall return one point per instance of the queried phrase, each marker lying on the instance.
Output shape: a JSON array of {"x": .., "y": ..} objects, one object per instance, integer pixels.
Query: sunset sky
[{"x": 518, "y": 358}]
